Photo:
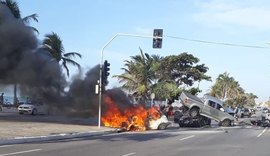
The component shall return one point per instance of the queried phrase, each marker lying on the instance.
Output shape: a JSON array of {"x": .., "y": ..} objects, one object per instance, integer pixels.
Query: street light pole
[
  {"x": 100, "y": 79},
  {"x": 101, "y": 66}
]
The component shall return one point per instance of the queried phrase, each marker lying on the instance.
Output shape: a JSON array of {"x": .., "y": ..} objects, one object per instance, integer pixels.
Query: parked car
[{"x": 34, "y": 108}]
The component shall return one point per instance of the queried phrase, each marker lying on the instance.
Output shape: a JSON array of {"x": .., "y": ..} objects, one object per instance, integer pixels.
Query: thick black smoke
[
  {"x": 22, "y": 62},
  {"x": 39, "y": 75}
]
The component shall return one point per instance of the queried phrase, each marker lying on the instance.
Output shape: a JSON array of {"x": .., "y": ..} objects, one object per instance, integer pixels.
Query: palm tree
[
  {"x": 138, "y": 76},
  {"x": 226, "y": 87},
  {"x": 15, "y": 10},
  {"x": 53, "y": 44}
]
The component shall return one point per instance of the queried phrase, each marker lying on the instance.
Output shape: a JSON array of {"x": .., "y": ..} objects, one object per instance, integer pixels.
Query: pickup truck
[{"x": 209, "y": 107}]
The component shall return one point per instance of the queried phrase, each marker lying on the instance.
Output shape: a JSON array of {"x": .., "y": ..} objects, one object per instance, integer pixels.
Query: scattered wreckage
[{"x": 262, "y": 118}]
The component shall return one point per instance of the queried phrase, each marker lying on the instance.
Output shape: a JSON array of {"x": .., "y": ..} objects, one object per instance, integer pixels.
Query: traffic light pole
[{"x": 101, "y": 66}]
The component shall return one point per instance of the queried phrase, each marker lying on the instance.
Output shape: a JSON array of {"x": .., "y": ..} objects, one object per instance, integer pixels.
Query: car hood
[{"x": 26, "y": 105}]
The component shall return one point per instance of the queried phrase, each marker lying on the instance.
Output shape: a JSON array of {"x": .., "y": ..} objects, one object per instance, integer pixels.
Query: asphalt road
[{"x": 236, "y": 141}]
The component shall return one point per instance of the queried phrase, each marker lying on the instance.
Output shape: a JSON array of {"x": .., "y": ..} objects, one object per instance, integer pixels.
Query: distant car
[
  {"x": 229, "y": 111},
  {"x": 245, "y": 112},
  {"x": 33, "y": 108}
]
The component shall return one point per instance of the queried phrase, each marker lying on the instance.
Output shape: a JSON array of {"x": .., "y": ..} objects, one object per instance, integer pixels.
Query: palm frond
[
  {"x": 69, "y": 61},
  {"x": 65, "y": 66},
  {"x": 27, "y": 19},
  {"x": 72, "y": 54},
  {"x": 35, "y": 30}
]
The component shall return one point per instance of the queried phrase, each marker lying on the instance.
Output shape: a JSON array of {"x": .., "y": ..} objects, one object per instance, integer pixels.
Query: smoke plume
[{"x": 39, "y": 75}]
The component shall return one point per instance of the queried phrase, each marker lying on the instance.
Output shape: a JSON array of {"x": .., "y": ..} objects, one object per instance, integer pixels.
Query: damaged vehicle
[
  {"x": 261, "y": 118},
  {"x": 201, "y": 111},
  {"x": 160, "y": 124}
]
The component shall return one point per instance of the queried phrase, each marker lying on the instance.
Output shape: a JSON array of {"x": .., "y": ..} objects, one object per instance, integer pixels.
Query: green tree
[
  {"x": 53, "y": 44},
  {"x": 163, "y": 89},
  {"x": 226, "y": 87},
  {"x": 183, "y": 69},
  {"x": 229, "y": 90},
  {"x": 138, "y": 76},
  {"x": 250, "y": 102},
  {"x": 145, "y": 74}
]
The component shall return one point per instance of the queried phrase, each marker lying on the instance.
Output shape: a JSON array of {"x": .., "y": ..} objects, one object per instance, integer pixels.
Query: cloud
[{"x": 247, "y": 14}]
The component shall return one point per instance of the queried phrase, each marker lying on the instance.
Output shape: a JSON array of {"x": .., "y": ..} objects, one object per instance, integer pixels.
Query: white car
[
  {"x": 33, "y": 108},
  {"x": 159, "y": 124}
]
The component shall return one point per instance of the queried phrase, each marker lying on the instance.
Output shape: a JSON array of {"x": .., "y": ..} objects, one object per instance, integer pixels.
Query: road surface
[{"x": 236, "y": 141}]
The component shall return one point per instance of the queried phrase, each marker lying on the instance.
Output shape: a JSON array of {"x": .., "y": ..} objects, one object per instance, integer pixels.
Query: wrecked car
[{"x": 209, "y": 107}]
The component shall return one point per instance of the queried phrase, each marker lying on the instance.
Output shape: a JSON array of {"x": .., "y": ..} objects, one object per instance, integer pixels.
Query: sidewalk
[
  {"x": 21, "y": 129},
  {"x": 14, "y": 133}
]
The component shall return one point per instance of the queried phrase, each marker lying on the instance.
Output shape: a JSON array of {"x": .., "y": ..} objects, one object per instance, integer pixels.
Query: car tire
[
  {"x": 162, "y": 126},
  {"x": 194, "y": 112},
  {"x": 226, "y": 123}
]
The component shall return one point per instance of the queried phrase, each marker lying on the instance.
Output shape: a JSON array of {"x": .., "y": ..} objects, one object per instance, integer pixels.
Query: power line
[{"x": 218, "y": 43}]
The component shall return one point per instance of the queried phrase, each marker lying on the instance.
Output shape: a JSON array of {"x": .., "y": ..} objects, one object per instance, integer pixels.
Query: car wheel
[
  {"x": 194, "y": 112},
  {"x": 34, "y": 112},
  {"x": 226, "y": 123},
  {"x": 177, "y": 116},
  {"x": 162, "y": 126},
  {"x": 20, "y": 113}
]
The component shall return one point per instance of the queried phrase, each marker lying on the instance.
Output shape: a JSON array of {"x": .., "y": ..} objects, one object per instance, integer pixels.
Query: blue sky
[{"x": 85, "y": 26}]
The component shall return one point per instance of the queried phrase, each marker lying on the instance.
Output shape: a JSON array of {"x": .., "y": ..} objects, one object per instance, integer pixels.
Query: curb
[{"x": 62, "y": 136}]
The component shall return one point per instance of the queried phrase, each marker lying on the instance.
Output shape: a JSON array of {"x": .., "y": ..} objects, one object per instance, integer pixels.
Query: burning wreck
[{"x": 133, "y": 118}]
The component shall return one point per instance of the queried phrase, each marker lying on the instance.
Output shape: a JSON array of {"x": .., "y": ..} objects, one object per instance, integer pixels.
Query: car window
[
  {"x": 219, "y": 106},
  {"x": 212, "y": 103}
]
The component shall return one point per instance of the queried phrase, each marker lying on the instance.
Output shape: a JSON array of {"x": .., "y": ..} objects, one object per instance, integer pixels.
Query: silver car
[{"x": 209, "y": 106}]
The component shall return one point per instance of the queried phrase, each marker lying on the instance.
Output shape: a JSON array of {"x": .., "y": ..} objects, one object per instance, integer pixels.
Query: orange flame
[{"x": 132, "y": 118}]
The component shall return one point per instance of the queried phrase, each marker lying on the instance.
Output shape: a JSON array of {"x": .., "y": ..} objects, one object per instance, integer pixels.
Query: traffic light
[
  {"x": 157, "y": 38},
  {"x": 105, "y": 73}
]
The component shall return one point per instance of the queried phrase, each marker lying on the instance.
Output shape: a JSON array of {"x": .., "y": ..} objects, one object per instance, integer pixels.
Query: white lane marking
[
  {"x": 113, "y": 134},
  {"x": 262, "y": 132},
  {"x": 5, "y": 146},
  {"x": 129, "y": 154},
  {"x": 21, "y": 152},
  {"x": 187, "y": 137}
]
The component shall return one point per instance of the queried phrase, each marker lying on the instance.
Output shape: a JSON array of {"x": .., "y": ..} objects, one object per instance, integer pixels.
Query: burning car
[{"x": 133, "y": 118}]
